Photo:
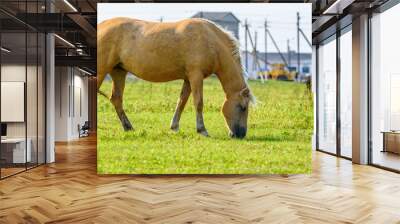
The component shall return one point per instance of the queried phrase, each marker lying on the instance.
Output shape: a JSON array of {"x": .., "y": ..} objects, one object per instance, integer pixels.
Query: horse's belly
[
  {"x": 155, "y": 78},
  {"x": 159, "y": 75}
]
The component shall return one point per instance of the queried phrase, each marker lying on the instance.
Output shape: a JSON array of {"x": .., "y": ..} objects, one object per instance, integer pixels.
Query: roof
[
  {"x": 273, "y": 57},
  {"x": 217, "y": 16},
  {"x": 293, "y": 55}
]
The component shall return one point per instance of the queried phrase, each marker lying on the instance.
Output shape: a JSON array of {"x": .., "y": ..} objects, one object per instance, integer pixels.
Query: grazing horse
[{"x": 190, "y": 49}]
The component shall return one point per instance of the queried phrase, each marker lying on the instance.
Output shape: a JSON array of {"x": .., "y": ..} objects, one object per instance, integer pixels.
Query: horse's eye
[{"x": 242, "y": 108}]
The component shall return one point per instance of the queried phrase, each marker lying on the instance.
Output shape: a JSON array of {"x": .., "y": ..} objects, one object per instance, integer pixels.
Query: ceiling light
[
  {"x": 331, "y": 7},
  {"x": 338, "y": 6},
  {"x": 84, "y": 71},
  {"x": 70, "y": 5},
  {"x": 65, "y": 41},
  {"x": 80, "y": 51},
  {"x": 5, "y": 50}
]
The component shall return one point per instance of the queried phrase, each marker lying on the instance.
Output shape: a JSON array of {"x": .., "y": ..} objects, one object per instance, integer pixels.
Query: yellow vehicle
[{"x": 278, "y": 72}]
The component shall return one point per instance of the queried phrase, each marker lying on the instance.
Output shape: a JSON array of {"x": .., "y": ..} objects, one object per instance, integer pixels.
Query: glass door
[
  {"x": 346, "y": 92},
  {"x": 327, "y": 96},
  {"x": 385, "y": 89},
  {"x": 14, "y": 155},
  {"x": 22, "y": 95}
]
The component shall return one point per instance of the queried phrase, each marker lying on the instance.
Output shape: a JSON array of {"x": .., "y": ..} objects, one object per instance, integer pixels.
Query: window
[
  {"x": 385, "y": 89},
  {"x": 327, "y": 96},
  {"x": 22, "y": 79},
  {"x": 346, "y": 93}
]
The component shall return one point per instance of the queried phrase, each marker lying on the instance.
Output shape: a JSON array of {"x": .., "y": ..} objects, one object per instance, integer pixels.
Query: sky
[{"x": 281, "y": 18}]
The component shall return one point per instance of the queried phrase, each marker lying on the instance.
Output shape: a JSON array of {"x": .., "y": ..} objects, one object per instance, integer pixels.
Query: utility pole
[
  {"x": 288, "y": 51},
  {"x": 298, "y": 44},
  {"x": 277, "y": 48},
  {"x": 255, "y": 50},
  {"x": 257, "y": 64},
  {"x": 245, "y": 44},
  {"x": 265, "y": 42}
]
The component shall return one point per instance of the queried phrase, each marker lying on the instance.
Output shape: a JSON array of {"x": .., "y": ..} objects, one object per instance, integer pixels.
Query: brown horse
[{"x": 191, "y": 49}]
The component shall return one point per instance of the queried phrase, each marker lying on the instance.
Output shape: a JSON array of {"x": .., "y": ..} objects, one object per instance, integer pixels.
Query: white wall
[
  {"x": 62, "y": 81},
  {"x": 12, "y": 73},
  {"x": 71, "y": 102},
  {"x": 33, "y": 126},
  {"x": 80, "y": 108}
]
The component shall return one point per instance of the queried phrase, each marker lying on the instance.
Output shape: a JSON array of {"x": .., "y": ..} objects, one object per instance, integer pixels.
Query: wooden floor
[
  {"x": 387, "y": 159},
  {"x": 5, "y": 172},
  {"x": 69, "y": 191}
]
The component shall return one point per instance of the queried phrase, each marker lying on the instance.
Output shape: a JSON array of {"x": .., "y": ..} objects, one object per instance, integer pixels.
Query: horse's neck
[{"x": 232, "y": 80}]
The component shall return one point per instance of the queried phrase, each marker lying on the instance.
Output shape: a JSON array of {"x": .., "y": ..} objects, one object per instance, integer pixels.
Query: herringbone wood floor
[{"x": 69, "y": 191}]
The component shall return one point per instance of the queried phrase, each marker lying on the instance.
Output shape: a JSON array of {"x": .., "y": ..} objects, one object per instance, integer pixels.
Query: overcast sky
[{"x": 281, "y": 18}]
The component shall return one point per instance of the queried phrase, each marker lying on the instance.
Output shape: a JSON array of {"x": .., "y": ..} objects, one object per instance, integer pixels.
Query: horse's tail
[
  {"x": 103, "y": 94},
  {"x": 100, "y": 79}
]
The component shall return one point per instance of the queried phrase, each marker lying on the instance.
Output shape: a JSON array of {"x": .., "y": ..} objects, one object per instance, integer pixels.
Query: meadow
[{"x": 278, "y": 140}]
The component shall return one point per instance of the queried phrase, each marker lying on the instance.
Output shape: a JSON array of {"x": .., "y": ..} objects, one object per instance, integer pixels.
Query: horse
[{"x": 189, "y": 50}]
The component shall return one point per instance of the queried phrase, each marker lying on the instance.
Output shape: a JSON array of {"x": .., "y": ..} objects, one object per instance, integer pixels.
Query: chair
[{"x": 84, "y": 130}]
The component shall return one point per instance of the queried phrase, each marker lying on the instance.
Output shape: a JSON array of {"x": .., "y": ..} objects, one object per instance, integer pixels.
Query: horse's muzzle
[{"x": 238, "y": 132}]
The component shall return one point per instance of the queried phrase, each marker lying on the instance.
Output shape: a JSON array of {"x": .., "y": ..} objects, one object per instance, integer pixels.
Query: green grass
[{"x": 278, "y": 139}]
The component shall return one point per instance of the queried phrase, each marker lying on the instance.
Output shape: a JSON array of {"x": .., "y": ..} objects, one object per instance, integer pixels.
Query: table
[
  {"x": 13, "y": 150},
  {"x": 391, "y": 141}
]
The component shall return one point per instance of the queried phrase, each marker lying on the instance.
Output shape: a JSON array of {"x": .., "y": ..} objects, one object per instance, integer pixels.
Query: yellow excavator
[{"x": 279, "y": 72}]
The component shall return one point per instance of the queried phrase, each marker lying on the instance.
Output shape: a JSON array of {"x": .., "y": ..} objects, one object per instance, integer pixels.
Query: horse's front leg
[
  {"x": 196, "y": 84},
  {"x": 185, "y": 93}
]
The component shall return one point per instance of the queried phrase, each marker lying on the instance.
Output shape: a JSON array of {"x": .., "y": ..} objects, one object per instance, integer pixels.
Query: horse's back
[{"x": 160, "y": 51}]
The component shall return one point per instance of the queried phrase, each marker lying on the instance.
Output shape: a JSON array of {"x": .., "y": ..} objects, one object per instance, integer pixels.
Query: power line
[
  {"x": 298, "y": 43},
  {"x": 245, "y": 40},
  {"x": 255, "y": 60},
  {"x": 305, "y": 37},
  {"x": 277, "y": 48},
  {"x": 266, "y": 46}
]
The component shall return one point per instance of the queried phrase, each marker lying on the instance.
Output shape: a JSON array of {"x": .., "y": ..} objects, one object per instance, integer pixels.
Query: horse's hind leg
[
  {"x": 185, "y": 93},
  {"x": 118, "y": 77},
  {"x": 196, "y": 84}
]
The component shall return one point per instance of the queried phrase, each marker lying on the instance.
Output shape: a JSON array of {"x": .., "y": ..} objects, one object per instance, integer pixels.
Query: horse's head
[{"x": 236, "y": 110}]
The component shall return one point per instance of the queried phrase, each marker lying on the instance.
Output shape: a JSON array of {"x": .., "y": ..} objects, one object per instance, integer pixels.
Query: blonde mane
[
  {"x": 235, "y": 49},
  {"x": 235, "y": 45}
]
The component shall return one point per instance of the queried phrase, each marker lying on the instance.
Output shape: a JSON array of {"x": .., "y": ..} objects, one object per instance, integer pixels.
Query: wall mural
[{"x": 176, "y": 95}]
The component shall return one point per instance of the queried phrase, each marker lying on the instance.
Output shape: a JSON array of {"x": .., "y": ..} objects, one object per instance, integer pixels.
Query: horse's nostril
[
  {"x": 241, "y": 135},
  {"x": 238, "y": 132}
]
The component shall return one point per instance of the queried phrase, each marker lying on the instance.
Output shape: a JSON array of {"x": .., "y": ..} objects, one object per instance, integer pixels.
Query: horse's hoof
[
  {"x": 203, "y": 132},
  {"x": 129, "y": 128},
  {"x": 175, "y": 128}
]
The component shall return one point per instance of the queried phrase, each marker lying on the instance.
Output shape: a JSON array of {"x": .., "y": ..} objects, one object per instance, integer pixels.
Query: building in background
[
  {"x": 255, "y": 66},
  {"x": 226, "y": 20}
]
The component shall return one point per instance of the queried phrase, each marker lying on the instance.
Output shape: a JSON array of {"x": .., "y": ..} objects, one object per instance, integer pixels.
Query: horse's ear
[{"x": 245, "y": 92}]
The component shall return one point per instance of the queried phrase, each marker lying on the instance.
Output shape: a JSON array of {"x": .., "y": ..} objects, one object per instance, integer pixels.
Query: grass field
[{"x": 278, "y": 139}]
